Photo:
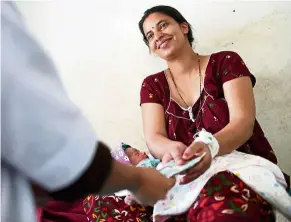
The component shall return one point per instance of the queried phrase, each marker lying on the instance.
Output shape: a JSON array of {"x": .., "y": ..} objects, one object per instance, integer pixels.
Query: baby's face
[{"x": 135, "y": 156}]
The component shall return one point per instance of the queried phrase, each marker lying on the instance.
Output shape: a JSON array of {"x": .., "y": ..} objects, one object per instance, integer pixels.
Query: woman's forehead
[{"x": 153, "y": 19}]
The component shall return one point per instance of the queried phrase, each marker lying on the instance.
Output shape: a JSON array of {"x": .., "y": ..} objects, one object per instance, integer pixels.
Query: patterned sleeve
[
  {"x": 233, "y": 67},
  {"x": 150, "y": 91}
]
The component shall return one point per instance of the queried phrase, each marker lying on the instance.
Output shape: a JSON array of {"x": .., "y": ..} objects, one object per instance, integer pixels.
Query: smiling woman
[
  {"x": 166, "y": 27},
  {"x": 212, "y": 92}
]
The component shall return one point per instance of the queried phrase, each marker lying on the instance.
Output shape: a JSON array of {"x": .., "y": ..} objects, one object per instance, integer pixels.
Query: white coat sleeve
[{"x": 44, "y": 135}]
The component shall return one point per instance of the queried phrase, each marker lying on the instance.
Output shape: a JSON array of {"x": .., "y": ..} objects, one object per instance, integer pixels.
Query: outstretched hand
[
  {"x": 175, "y": 152},
  {"x": 194, "y": 150},
  {"x": 180, "y": 153}
]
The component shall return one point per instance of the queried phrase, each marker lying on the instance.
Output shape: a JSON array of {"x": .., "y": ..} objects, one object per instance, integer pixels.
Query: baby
[
  {"x": 134, "y": 155},
  {"x": 137, "y": 158},
  {"x": 141, "y": 159},
  {"x": 251, "y": 169}
]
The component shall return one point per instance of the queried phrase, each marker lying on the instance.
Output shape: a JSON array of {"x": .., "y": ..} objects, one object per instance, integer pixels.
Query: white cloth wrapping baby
[{"x": 261, "y": 175}]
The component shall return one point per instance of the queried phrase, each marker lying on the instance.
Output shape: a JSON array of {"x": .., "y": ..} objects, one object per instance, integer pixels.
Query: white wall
[{"x": 102, "y": 58}]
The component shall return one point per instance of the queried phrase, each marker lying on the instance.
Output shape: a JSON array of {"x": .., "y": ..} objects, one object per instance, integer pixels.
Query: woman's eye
[
  {"x": 150, "y": 36},
  {"x": 163, "y": 25}
]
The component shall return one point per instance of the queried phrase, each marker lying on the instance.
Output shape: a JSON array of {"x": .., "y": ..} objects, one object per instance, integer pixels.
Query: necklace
[{"x": 190, "y": 108}]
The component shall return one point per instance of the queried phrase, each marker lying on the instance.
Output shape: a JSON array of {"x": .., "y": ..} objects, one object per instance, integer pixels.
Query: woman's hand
[
  {"x": 194, "y": 150},
  {"x": 175, "y": 152}
]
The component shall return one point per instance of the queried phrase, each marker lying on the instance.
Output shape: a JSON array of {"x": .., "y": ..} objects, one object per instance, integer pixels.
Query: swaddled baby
[
  {"x": 253, "y": 170},
  {"x": 141, "y": 159},
  {"x": 129, "y": 155},
  {"x": 137, "y": 158}
]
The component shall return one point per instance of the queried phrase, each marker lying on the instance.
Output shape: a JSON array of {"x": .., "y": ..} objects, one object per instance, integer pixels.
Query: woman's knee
[{"x": 228, "y": 211}]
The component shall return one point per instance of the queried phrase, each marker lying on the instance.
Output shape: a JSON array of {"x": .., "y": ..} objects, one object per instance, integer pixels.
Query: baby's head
[{"x": 134, "y": 155}]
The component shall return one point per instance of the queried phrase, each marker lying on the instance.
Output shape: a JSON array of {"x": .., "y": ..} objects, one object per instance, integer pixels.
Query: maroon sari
[{"x": 225, "y": 198}]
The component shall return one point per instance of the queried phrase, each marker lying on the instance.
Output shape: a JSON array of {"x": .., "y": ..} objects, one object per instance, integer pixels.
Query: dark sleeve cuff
[{"x": 93, "y": 178}]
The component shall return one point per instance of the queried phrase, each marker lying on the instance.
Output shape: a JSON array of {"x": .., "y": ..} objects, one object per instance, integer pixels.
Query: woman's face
[{"x": 165, "y": 36}]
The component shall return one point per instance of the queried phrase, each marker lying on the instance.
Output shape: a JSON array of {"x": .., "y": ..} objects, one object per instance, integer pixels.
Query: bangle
[{"x": 208, "y": 139}]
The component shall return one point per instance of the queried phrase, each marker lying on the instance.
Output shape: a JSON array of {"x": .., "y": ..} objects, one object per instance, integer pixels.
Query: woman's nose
[{"x": 158, "y": 35}]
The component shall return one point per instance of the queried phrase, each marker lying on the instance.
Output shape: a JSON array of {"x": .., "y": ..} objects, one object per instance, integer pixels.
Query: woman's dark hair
[{"x": 169, "y": 11}]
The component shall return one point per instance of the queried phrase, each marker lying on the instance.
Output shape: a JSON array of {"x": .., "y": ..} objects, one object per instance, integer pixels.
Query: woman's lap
[
  {"x": 113, "y": 208},
  {"x": 224, "y": 198}
]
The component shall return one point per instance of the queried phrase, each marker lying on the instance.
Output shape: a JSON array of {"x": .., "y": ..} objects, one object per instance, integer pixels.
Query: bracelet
[{"x": 208, "y": 139}]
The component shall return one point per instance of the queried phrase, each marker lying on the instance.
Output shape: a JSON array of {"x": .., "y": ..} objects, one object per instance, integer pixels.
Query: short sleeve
[
  {"x": 45, "y": 137},
  {"x": 150, "y": 91},
  {"x": 233, "y": 67}
]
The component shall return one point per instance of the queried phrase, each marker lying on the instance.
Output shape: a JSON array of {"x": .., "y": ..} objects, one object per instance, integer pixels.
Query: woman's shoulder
[
  {"x": 225, "y": 60},
  {"x": 228, "y": 65},
  {"x": 154, "y": 89},
  {"x": 159, "y": 76},
  {"x": 221, "y": 55}
]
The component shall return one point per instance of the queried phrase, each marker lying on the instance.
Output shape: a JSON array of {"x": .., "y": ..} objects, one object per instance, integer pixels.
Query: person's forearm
[
  {"x": 233, "y": 135},
  {"x": 158, "y": 145},
  {"x": 103, "y": 176},
  {"x": 121, "y": 177}
]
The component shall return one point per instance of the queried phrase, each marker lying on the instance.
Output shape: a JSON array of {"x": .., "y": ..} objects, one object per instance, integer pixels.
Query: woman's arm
[
  {"x": 157, "y": 140},
  {"x": 154, "y": 128},
  {"x": 241, "y": 104},
  {"x": 239, "y": 96}
]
